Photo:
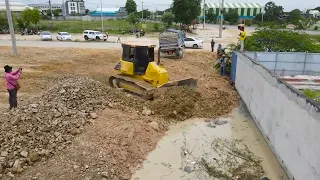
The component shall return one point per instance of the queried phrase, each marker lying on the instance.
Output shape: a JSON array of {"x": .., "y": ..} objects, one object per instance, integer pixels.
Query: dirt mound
[
  {"x": 175, "y": 102},
  {"x": 181, "y": 103},
  {"x": 48, "y": 122}
]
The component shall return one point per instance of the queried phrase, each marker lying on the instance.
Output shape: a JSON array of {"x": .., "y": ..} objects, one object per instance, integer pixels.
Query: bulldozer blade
[{"x": 184, "y": 82}]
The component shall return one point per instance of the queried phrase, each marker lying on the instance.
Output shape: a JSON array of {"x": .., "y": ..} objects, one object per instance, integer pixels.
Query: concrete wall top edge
[
  {"x": 298, "y": 93},
  {"x": 282, "y": 52}
]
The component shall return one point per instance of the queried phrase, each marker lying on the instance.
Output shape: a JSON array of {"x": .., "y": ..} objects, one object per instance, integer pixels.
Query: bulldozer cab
[{"x": 139, "y": 55}]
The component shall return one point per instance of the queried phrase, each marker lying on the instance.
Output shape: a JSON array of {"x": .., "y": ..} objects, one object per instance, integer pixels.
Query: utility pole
[
  {"x": 13, "y": 36},
  {"x": 221, "y": 19},
  {"x": 102, "y": 28},
  {"x": 142, "y": 10},
  {"x": 50, "y": 8},
  {"x": 204, "y": 13}
]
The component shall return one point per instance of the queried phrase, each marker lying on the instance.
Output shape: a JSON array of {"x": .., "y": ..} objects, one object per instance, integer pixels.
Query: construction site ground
[{"x": 118, "y": 141}]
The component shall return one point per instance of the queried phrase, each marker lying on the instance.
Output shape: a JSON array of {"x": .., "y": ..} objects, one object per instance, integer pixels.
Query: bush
[
  {"x": 281, "y": 41},
  {"x": 156, "y": 27},
  {"x": 316, "y": 28}
]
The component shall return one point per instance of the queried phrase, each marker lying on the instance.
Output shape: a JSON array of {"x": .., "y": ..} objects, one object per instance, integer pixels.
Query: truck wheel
[
  {"x": 195, "y": 46},
  {"x": 98, "y": 38},
  {"x": 86, "y": 38},
  {"x": 180, "y": 54}
]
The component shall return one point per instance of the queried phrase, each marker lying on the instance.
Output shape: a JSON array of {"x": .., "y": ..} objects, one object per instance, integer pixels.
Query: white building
[
  {"x": 45, "y": 7},
  {"x": 74, "y": 7},
  {"x": 14, "y": 6}
]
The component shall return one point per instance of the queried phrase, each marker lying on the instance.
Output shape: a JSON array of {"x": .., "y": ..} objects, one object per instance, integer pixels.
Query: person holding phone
[{"x": 12, "y": 84}]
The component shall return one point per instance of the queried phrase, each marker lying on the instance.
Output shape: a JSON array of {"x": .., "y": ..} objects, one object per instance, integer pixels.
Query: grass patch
[
  {"x": 316, "y": 37},
  {"x": 312, "y": 94},
  {"x": 110, "y": 26}
]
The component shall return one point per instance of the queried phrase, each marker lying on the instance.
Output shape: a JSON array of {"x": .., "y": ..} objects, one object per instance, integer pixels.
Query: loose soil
[{"x": 112, "y": 145}]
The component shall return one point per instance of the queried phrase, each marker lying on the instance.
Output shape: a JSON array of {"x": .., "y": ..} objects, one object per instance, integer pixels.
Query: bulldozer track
[{"x": 138, "y": 87}]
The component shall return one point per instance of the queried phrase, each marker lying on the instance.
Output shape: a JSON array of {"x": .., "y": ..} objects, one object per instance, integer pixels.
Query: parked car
[
  {"x": 64, "y": 36},
  {"x": 95, "y": 35},
  {"x": 46, "y": 36},
  {"x": 191, "y": 42}
]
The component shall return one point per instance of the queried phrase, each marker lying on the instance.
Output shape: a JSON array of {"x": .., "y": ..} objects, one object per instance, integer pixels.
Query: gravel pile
[{"x": 48, "y": 123}]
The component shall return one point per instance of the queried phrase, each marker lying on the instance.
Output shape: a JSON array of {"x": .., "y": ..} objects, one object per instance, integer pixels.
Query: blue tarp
[{"x": 98, "y": 13}]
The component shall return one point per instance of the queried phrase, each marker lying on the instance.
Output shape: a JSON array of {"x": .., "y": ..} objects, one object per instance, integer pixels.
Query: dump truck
[{"x": 171, "y": 43}]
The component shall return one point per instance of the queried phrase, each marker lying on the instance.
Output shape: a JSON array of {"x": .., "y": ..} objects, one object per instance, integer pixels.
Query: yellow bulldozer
[{"x": 140, "y": 74}]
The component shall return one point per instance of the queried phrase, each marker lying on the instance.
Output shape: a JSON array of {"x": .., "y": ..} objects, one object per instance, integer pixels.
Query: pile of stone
[{"x": 48, "y": 123}]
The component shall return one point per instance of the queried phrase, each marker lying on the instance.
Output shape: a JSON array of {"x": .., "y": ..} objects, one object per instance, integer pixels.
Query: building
[
  {"x": 245, "y": 10},
  {"x": 110, "y": 13},
  {"x": 74, "y": 7},
  {"x": 45, "y": 7},
  {"x": 14, "y": 6}
]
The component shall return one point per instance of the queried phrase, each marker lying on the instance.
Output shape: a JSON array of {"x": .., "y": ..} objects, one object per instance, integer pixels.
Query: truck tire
[
  {"x": 195, "y": 46},
  {"x": 180, "y": 54},
  {"x": 98, "y": 38},
  {"x": 86, "y": 38}
]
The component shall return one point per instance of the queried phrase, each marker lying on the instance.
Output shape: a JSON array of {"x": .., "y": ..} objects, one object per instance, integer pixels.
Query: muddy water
[{"x": 177, "y": 154}]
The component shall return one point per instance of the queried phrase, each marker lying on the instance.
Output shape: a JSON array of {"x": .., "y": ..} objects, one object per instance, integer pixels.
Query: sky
[{"x": 288, "y": 5}]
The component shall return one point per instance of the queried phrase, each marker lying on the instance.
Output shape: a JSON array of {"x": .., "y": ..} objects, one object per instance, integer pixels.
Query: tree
[
  {"x": 56, "y": 12},
  {"x": 185, "y": 11},
  {"x": 232, "y": 16},
  {"x": 87, "y": 11},
  {"x": 272, "y": 11},
  {"x": 211, "y": 16},
  {"x": 146, "y": 13},
  {"x": 132, "y": 19},
  {"x": 281, "y": 41},
  {"x": 167, "y": 19},
  {"x": 131, "y": 6},
  {"x": 295, "y": 16},
  {"x": 317, "y": 8},
  {"x": 258, "y": 18},
  {"x": 3, "y": 21},
  {"x": 30, "y": 16}
]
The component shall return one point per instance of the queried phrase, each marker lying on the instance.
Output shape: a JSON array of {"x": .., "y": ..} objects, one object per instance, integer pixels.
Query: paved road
[{"x": 91, "y": 45}]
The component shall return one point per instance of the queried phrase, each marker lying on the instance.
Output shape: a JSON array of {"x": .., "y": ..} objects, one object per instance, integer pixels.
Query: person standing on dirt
[
  {"x": 222, "y": 62},
  {"x": 12, "y": 84},
  {"x": 212, "y": 45},
  {"x": 118, "y": 40}
]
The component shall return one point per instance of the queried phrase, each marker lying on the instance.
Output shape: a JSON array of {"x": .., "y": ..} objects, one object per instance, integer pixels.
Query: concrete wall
[
  {"x": 289, "y": 63},
  {"x": 289, "y": 122}
]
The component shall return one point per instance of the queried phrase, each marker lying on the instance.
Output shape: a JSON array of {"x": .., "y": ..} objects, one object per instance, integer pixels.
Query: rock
[
  {"x": 86, "y": 166},
  {"x": 93, "y": 115},
  {"x": 17, "y": 164},
  {"x": 62, "y": 91},
  {"x": 24, "y": 154},
  {"x": 4, "y": 154},
  {"x": 105, "y": 174},
  {"x": 75, "y": 167},
  {"x": 10, "y": 174},
  {"x": 34, "y": 105},
  {"x": 75, "y": 131},
  {"x": 33, "y": 156},
  {"x": 19, "y": 170},
  {"x": 154, "y": 125},
  {"x": 146, "y": 112},
  {"x": 1, "y": 169},
  {"x": 110, "y": 105},
  {"x": 174, "y": 112},
  {"x": 187, "y": 169},
  {"x": 57, "y": 114},
  {"x": 220, "y": 122}
]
